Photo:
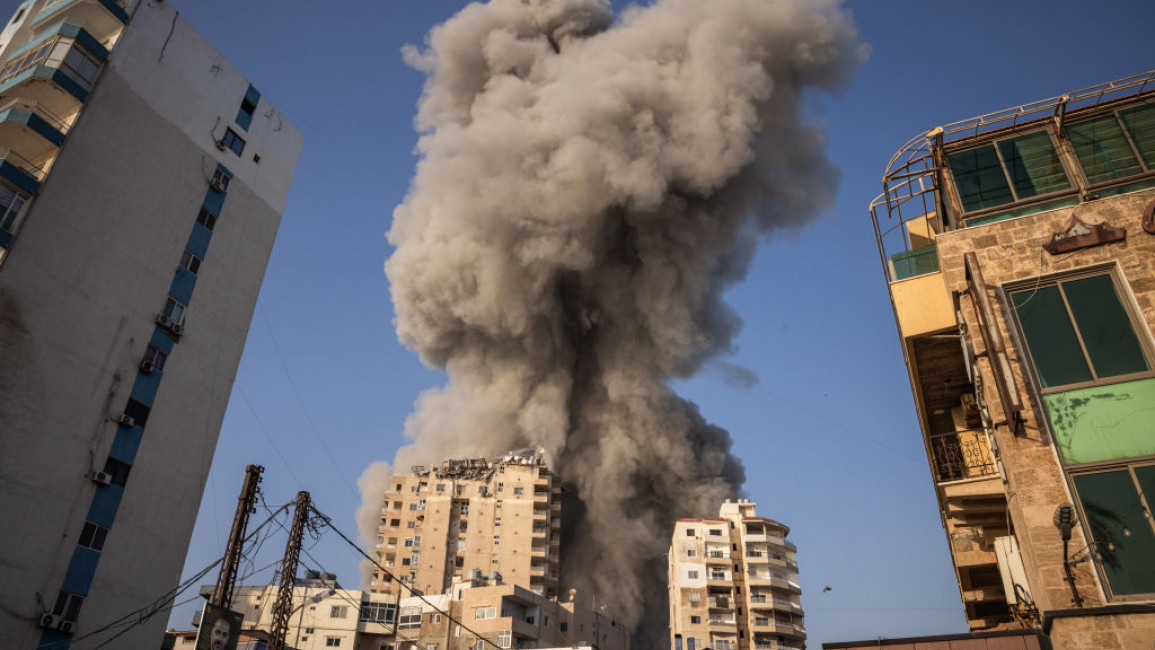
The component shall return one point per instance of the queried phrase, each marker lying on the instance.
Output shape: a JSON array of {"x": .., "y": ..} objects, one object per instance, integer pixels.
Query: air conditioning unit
[
  {"x": 103, "y": 478},
  {"x": 216, "y": 183},
  {"x": 50, "y": 621},
  {"x": 176, "y": 329},
  {"x": 147, "y": 366},
  {"x": 220, "y": 145},
  {"x": 66, "y": 626},
  {"x": 125, "y": 420},
  {"x": 163, "y": 320}
]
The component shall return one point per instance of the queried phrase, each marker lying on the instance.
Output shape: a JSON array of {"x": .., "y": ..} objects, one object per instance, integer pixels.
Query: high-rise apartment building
[
  {"x": 733, "y": 583},
  {"x": 472, "y": 518},
  {"x": 1019, "y": 252},
  {"x": 142, "y": 181}
]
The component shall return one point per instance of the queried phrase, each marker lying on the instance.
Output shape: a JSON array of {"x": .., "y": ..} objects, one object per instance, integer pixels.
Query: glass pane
[
  {"x": 1050, "y": 336},
  {"x": 1121, "y": 533},
  {"x": 1106, "y": 330},
  {"x": 979, "y": 178},
  {"x": 1033, "y": 165},
  {"x": 1140, "y": 122},
  {"x": 1103, "y": 150}
]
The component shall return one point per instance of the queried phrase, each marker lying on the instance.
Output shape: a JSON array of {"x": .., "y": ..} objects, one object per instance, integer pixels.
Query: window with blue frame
[{"x": 233, "y": 142}]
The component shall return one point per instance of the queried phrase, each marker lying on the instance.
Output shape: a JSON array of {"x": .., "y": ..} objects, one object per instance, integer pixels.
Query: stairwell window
[
  {"x": 190, "y": 262},
  {"x": 93, "y": 536},
  {"x": 174, "y": 309},
  {"x": 233, "y": 142},
  {"x": 207, "y": 219},
  {"x": 67, "y": 605}
]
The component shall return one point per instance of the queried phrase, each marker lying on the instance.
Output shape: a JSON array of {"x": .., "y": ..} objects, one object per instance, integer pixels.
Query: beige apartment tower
[
  {"x": 734, "y": 583},
  {"x": 1019, "y": 252},
  {"x": 470, "y": 519}
]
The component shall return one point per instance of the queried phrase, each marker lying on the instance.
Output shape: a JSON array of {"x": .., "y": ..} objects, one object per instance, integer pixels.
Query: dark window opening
[
  {"x": 207, "y": 219},
  {"x": 154, "y": 358},
  {"x": 93, "y": 536},
  {"x": 220, "y": 180},
  {"x": 117, "y": 470},
  {"x": 247, "y": 106},
  {"x": 67, "y": 606},
  {"x": 190, "y": 262},
  {"x": 137, "y": 411}
]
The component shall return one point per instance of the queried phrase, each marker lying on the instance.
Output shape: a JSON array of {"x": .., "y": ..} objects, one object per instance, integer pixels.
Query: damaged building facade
[
  {"x": 472, "y": 518},
  {"x": 1019, "y": 252},
  {"x": 733, "y": 583}
]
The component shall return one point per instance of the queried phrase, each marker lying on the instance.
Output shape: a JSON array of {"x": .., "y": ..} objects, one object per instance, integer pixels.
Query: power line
[
  {"x": 412, "y": 591},
  {"x": 301, "y": 402}
]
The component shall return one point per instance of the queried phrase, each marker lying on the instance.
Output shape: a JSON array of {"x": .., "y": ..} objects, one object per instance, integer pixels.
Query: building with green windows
[{"x": 1018, "y": 248}]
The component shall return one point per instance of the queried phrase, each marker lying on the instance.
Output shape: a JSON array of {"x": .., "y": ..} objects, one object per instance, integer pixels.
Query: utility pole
[
  {"x": 283, "y": 608},
  {"x": 223, "y": 593}
]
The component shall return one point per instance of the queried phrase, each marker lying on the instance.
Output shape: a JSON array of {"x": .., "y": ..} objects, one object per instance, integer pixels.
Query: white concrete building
[
  {"x": 142, "y": 181},
  {"x": 733, "y": 583}
]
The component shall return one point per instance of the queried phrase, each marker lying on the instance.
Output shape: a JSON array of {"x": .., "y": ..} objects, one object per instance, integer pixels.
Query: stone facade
[{"x": 1035, "y": 452}]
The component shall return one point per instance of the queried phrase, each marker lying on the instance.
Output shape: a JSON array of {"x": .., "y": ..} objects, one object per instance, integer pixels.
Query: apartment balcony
[
  {"x": 715, "y": 557},
  {"x": 720, "y": 603},
  {"x": 759, "y": 579},
  {"x": 962, "y": 455},
  {"x": 19, "y": 172},
  {"x": 722, "y": 621},
  {"x": 54, "y": 71},
  {"x": 104, "y": 19},
  {"x": 31, "y": 129}
]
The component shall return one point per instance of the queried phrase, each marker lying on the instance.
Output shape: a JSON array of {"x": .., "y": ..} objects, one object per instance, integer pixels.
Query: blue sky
[{"x": 829, "y": 436}]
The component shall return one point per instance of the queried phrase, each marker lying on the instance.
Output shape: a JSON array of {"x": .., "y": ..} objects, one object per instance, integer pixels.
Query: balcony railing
[
  {"x": 39, "y": 109},
  {"x": 22, "y": 163},
  {"x": 962, "y": 455}
]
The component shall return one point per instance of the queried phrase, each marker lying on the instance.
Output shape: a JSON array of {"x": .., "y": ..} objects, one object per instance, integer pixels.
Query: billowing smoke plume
[{"x": 586, "y": 191}]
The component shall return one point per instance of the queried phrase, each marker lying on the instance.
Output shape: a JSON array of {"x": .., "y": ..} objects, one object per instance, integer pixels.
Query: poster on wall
[{"x": 219, "y": 630}]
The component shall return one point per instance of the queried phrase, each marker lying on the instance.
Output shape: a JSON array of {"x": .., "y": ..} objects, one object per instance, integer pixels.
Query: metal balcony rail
[
  {"x": 962, "y": 455},
  {"x": 15, "y": 159},
  {"x": 39, "y": 109}
]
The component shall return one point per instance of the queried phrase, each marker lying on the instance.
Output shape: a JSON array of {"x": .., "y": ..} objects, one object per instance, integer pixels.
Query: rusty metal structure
[
  {"x": 283, "y": 608},
  {"x": 246, "y": 504}
]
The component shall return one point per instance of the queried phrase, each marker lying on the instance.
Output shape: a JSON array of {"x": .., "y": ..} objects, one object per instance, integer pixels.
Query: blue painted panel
[
  {"x": 34, "y": 122},
  {"x": 161, "y": 340},
  {"x": 144, "y": 388},
  {"x": 214, "y": 201},
  {"x": 115, "y": 10},
  {"x": 253, "y": 95},
  {"x": 18, "y": 178},
  {"x": 183, "y": 283},
  {"x": 81, "y": 570},
  {"x": 225, "y": 170},
  {"x": 105, "y": 503},
  {"x": 244, "y": 119},
  {"x": 125, "y": 444},
  {"x": 54, "y": 639},
  {"x": 198, "y": 240},
  {"x": 63, "y": 80}
]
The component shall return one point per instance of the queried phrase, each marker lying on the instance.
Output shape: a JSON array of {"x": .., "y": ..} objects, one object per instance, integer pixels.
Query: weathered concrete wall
[{"x": 79, "y": 292}]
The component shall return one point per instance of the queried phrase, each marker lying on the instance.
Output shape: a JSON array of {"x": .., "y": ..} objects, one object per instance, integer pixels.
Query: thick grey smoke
[{"x": 587, "y": 189}]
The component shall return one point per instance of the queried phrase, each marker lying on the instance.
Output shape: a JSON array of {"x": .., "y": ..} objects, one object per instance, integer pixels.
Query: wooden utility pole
[
  {"x": 223, "y": 593},
  {"x": 283, "y": 608}
]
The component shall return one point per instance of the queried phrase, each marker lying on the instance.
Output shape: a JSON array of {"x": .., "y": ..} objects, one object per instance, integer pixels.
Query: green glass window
[
  {"x": 1078, "y": 330},
  {"x": 1120, "y": 528},
  {"x": 1010, "y": 170},
  {"x": 1140, "y": 123},
  {"x": 980, "y": 179},
  {"x": 1103, "y": 150}
]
